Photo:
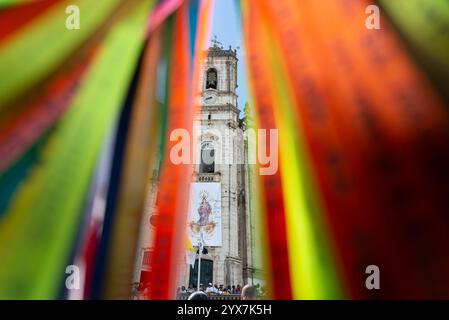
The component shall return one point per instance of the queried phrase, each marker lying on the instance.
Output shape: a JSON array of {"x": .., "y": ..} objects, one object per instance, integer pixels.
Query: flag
[{"x": 190, "y": 252}]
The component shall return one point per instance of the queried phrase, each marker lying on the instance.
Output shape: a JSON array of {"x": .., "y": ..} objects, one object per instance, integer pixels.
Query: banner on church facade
[{"x": 204, "y": 220}]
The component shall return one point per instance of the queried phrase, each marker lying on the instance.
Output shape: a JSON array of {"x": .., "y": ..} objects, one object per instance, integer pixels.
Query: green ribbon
[
  {"x": 39, "y": 48},
  {"x": 38, "y": 231},
  {"x": 425, "y": 26}
]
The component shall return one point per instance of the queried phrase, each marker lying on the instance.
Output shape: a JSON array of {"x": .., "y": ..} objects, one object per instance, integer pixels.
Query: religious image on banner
[{"x": 205, "y": 214}]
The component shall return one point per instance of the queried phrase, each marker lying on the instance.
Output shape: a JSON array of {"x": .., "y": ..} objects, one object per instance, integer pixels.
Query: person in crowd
[
  {"x": 182, "y": 293},
  {"x": 238, "y": 289},
  {"x": 191, "y": 289},
  {"x": 249, "y": 292},
  {"x": 210, "y": 289},
  {"x": 233, "y": 289},
  {"x": 146, "y": 292},
  {"x": 199, "y": 295},
  {"x": 135, "y": 291}
]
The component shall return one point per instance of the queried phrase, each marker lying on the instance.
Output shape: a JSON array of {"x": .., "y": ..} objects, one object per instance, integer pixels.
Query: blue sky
[{"x": 226, "y": 26}]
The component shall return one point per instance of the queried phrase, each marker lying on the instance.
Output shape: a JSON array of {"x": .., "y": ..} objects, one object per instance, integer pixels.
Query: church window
[
  {"x": 207, "y": 158},
  {"x": 211, "y": 79}
]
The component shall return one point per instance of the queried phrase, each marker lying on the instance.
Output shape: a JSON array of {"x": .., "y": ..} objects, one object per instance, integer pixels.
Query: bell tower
[
  {"x": 219, "y": 78},
  {"x": 220, "y": 170},
  {"x": 219, "y": 211}
]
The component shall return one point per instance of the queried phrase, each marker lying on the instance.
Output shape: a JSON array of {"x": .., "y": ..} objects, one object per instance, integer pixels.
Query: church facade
[{"x": 221, "y": 214}]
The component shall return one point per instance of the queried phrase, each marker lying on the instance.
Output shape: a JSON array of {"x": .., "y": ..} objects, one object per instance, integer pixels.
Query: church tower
[
  {"x": 220, "y": 172},
  {"x": 219, "y": 78},
  {"x": 220, "y": 214}
]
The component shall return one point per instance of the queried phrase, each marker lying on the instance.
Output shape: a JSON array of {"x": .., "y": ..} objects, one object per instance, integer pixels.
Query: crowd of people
[
  {"x": 213, "y": 290},
  {"x": 248, "y": 292}
]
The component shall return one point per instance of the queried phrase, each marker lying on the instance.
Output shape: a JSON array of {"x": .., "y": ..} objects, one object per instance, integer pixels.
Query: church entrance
[{"x": 207, "y": 267}]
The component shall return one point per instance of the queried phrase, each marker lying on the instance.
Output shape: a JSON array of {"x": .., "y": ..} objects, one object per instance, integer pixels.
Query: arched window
[
  {"x": 211, "y": 79},
  {"x": 207, "y": 158}
]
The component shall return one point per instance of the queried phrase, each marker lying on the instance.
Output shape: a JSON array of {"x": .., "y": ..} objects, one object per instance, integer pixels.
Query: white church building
[{"x": 221, "y": 213}]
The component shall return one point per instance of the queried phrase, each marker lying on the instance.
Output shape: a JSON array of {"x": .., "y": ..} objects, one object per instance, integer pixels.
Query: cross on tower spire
[{"x": 216, "y": 43}]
